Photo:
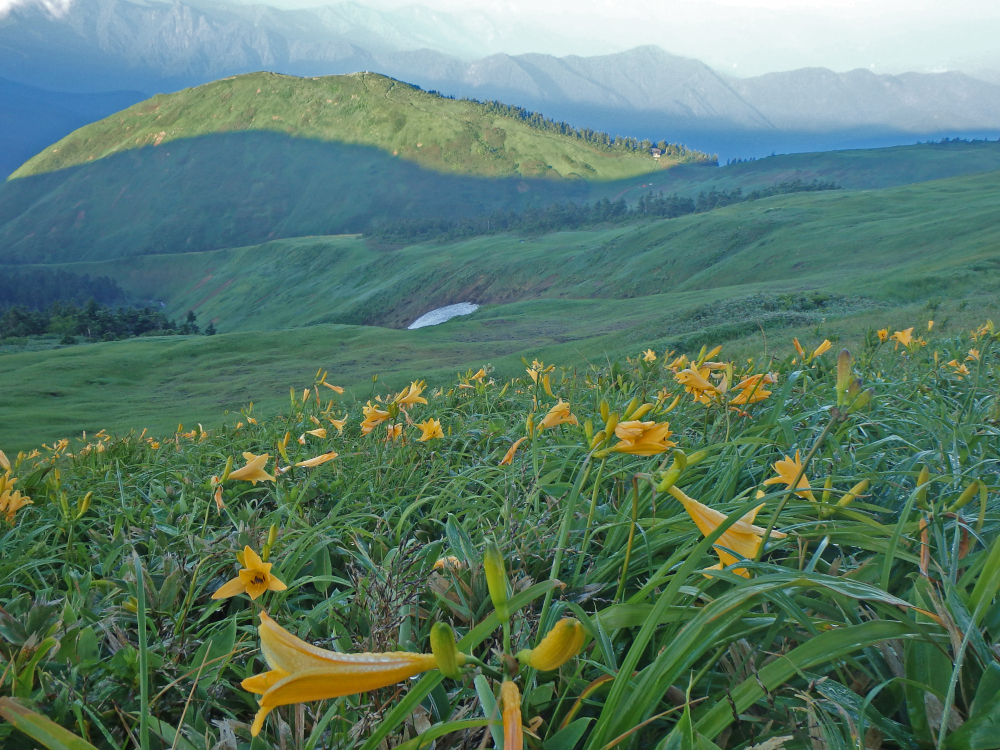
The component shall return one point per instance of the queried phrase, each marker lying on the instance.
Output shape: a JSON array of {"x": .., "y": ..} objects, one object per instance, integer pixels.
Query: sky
[{"x": 740, "y": 37}]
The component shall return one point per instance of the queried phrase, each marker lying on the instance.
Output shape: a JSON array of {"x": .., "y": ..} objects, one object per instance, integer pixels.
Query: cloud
[{"x": 54, "y": 8}]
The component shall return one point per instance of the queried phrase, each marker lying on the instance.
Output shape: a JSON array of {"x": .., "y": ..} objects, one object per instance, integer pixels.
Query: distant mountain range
[{"x": 151, "y": 46}]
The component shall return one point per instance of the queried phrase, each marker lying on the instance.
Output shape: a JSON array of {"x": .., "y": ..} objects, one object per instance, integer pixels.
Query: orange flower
[
  {"x": 642, "y": 438},
  {"x": 510, "y": 699},
  {"x": 788, "y": 469},
  {"x": 373, "y": 418},
  {"x": 254, "y": 579},
  {"x": 508, "y": 457},
  {"x": 254, "y": 471},
  {"x": 322, "y": 459},
  {"x": 558, "y": 414}
]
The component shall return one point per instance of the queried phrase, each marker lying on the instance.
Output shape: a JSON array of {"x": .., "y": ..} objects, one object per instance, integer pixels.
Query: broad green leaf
[
  {"x": 567, "y": 739},
  {"x": 41, "y": 729}
]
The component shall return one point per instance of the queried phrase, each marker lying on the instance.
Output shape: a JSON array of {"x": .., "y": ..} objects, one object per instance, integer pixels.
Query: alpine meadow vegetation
[{"x": 674, "y": 550}]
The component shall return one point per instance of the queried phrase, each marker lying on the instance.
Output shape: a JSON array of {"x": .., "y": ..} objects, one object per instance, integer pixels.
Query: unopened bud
[
  {"x": 641, "y": 412},
  {"x": 82, "y": 506},
  {"x": 611, "y": 422},
  {"x": 863, "y": 399},
  {"x": 605, "y": 409},
  {"x": 922, "y": 484},
  {"x": 968, "y": 494},
  {"x": 588, "y": 428},
  {"x": 853, "y": 493},
  {"x": 272, "y": 534},
  {"x": 496, "y": 578},
  {"x": 670, "y": 476},
  {"x": 826, "y": 489},
  {"x": 599, "y": 438},
  {"x": 630, "y": 410},
  {"x": 449, "y": 658},
  {"x": 227, "y": 470},
  {"x": 560, "y": 645}
]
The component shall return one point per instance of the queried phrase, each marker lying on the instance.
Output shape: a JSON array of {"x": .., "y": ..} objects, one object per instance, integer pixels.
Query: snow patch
[{"x": 441, "y": 314}]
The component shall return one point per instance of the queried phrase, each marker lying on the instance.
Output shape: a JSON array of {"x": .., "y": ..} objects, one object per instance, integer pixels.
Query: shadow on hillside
[{"x": 235, "y": 189}]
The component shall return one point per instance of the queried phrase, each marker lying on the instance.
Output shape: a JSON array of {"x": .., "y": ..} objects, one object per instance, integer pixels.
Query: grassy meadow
[{"x": 732, "y": 550}]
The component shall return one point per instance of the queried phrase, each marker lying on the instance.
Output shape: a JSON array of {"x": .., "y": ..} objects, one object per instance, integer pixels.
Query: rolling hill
[{"x": 812, "y": 265}]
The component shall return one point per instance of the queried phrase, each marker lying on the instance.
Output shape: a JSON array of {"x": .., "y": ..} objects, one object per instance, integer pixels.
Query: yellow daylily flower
[
  {"x": 642, "y": 438},
  {"x": 319, "y": 432},
  {"x": 253, "y": 472},
  {"x": 742, "y": 537},
  {"x": 649, "y": 356},
  {"x": 903, "y": 337},
  {"x": 510, "y": 700},
  {"x": 300, "y": 672},
  {"x": 696, "y": 383},
  {"x": 678, "y": 364},
  {"x": 334, "y": 388},
  {"x": 448, "y": 562},
  {"x": 788, "y": 469},
  {"x": 430, "y": 430},
  {"x": 508, "y": 457},
  {"x": 253, "y": 580},
  {"x": 217, "y": 495},
  {"x": 751, "y": 389},
  {"x": 12, "y": 501},
  {"x": 799, "y": 349},
  {"x": 824, "y": 347},
  {"x": 481, "y": 375},
  {"x": 393, "y": 432},
  {"x": 973, "y": 357},
  {"x": 960, "y": 369},
  {"x": 321, "y": 459},
  {"x": 558, "y": 414},
  {"x": 558, "y": 646},
  {"x": 373, "y": 418},
  {"x": 883, "y": 335},
  {"x": 930, "y": 324},
  {"x": 4, "y": 461},
  {"x": 411, "y": 394},
  {"x": 339, "y": 424}
]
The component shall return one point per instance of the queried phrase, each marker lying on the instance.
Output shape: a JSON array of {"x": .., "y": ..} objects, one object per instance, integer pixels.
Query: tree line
[
  {"x": 95, "y": 322},
  {"x": 36, "y": 289},
  {"x": 568, "y": 216}
]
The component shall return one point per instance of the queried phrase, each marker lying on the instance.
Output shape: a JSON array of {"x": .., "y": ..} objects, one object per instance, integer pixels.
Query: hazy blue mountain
[
  {"x": 155, "y": 46},
  {"x": 32, "y": 118}
]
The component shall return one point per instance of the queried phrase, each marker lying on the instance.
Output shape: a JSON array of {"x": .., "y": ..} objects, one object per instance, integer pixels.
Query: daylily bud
[
  {"x": 496, "y": 578},
  {"x": 510, "y": 702},
  {"x": 588, "y": 428},
  {"x": 529, "y": 424},
  {"x": 922, "y": 480},
  {"x": 599, "y": 438},
  {"x": 283, "y": 446},
  {"x": 611, "y": 422},
  {"x": 968, "y": 494},
  {"x": 265, "y": 552},
  {"x": 632, "y": 406},
  {"x": 843, "y": 375},
  {"x": 670, "y": 476},
  {"x": 826, "y": 489},
  {"x": 560, "y": 645},
  {"x": 605, "y": 409},
  {"x": 852, "y": 495},
  {"x": 861, "y": 401},
  {"x": 641, "y": 412},
  {"x": 449, "y": 658},
  {"x": 82, "y": 506},
  {"x": 697, "y": 457},
  {"x": 272, "y": 535},
  {"x": 227, "y": 470}
]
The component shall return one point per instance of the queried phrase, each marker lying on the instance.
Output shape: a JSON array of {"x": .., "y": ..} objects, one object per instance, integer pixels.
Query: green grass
[
  {"x": 289, "y": 306},
  {"x": 864, "y": 617}
]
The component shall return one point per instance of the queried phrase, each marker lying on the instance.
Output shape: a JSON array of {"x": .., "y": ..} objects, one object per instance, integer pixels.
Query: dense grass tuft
[{"x": 870, "y": 614}]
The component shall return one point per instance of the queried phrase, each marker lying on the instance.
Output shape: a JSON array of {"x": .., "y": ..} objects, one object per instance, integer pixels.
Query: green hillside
[
  {"x": 367, "y": 109},
  {"x": 783, "y": 265},
  {"x": 893, "y": 245}
]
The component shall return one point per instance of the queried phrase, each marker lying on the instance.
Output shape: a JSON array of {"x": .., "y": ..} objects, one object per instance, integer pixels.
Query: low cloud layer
[{"x": 53, "y": 7}]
